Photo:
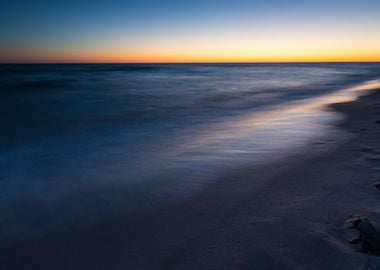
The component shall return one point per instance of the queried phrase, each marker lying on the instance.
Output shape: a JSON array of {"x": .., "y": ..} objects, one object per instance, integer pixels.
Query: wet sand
[
  {"x": 298, "y": 218},
  {"x": 295, "y": 219}
]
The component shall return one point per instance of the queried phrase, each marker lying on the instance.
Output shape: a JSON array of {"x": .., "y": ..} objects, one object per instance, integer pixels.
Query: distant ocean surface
[{"x": 81, "y": 143}]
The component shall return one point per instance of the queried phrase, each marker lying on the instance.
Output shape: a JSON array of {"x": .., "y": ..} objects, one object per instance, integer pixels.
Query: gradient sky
[{"x": 189, "y": 31}]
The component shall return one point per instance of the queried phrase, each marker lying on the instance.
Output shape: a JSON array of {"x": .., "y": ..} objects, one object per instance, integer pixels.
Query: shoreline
[
  {"x": 293, "y": 219},
  {"x": 297, "y": 218}
]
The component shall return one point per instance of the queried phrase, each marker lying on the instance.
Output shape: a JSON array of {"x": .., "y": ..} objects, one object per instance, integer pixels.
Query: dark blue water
[{"x": 81, "y": 143}]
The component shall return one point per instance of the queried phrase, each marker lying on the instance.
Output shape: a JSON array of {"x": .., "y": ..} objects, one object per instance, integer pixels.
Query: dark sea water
[{"x": 80, "y": 144}]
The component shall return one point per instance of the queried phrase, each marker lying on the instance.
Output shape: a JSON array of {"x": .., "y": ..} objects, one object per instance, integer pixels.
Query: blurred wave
[{"x": 79, "y": 139}]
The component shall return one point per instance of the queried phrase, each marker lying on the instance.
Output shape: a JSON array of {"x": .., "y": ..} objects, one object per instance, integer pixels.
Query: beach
[
  {"x": 190, "y": 135},
  {"x": 294, "y": 220},
  {"x": 62, "y": 209},
  {"x": 297, "y": 220}
]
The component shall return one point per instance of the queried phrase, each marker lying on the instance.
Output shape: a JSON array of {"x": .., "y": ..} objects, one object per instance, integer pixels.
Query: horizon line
[{"x": 184, "y": 63}]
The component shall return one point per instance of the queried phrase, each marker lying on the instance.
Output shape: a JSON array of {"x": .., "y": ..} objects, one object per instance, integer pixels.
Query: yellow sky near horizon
[
  {"x": 168, "y": 31},
  {"x": 305, "y": 45}
]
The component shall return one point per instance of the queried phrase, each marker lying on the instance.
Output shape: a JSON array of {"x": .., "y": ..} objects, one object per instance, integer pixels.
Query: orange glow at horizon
[
  {"x": 188, "y": 56},
  {"x": 191, "y": 58},
  {"x": 198, "y": 50},
  {"x": 148, "y": 31}
]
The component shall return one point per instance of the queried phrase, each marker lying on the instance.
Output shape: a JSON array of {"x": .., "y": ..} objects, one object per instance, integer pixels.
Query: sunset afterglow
[{"x": 200, "y": 31}]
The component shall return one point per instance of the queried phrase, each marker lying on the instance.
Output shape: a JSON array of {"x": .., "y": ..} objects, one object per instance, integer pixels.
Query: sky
[{"x": 138, "y": 31}]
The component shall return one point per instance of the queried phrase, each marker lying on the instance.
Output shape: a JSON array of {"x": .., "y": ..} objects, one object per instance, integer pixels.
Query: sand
[{"x": 295, "y": 219}]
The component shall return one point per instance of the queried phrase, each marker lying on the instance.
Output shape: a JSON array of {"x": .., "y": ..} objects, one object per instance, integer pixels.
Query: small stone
[
  {"x": 368, "y": 236},
  {"x": 377, "y": 186}
]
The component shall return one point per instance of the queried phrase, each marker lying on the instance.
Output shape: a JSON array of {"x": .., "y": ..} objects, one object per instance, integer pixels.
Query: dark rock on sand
[
  {"x": 377, "y": 185},
  {"x": 368, "y": 236}
]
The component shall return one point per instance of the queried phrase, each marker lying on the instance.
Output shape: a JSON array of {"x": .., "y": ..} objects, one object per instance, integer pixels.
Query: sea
[{"x": 83, "y": 143}]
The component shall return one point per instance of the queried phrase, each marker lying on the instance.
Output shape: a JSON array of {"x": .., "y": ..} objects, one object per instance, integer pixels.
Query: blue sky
[{"x": 67, "y": 28}]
